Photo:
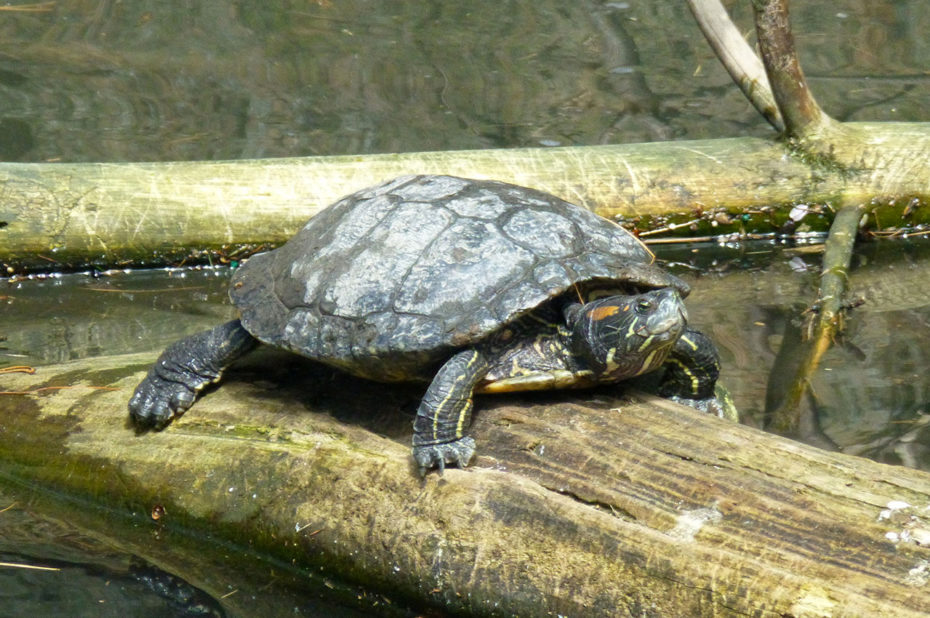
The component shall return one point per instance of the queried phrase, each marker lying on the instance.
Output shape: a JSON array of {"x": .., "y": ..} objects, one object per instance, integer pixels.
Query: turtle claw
[
  {"x": 183, "y": 370},
  {"x": 456, "y": 453},
  {"x": 156, "y": 401},
  {"x": 714, "y": 406}
]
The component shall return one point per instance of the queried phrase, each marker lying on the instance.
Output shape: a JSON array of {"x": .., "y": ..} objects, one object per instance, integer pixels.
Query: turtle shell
[{"x": 387, "y": 281}]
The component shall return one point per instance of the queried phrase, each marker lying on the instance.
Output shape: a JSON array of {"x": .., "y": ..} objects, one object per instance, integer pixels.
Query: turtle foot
[
  {"x": 157, "y": 400},
  {"x": 457, "y": 453},
  {"x": 183, "y": 370},
  {"x": 719, "y": 406}
]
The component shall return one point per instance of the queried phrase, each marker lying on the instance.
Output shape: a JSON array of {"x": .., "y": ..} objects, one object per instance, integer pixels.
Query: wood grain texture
[{"x": 580, "y": 503}]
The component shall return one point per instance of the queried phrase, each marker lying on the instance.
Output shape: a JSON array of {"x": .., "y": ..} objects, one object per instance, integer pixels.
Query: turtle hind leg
[
  {"x": 183, "y": 370},
  {"x": 445, "y": 412}
]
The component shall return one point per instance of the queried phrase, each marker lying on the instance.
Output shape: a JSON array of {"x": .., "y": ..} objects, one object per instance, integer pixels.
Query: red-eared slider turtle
[{"x": 472, "y": 286}]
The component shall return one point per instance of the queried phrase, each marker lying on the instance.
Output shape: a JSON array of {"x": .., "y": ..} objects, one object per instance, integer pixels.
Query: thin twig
[
  {"x": 39, "y": 7},
  {"x": 36, "y": 391},
  {"x": 32, "y": 567},
  {"x": 19, "y": 369}
]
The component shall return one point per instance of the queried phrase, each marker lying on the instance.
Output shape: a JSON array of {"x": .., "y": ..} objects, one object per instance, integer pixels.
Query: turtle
[{"x": 467, "y": 285}]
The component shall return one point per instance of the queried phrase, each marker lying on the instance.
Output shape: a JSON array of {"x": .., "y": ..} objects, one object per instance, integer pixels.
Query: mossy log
[
  {"x": 579, "y": 503},
  {"x": 61, "y": 215}
]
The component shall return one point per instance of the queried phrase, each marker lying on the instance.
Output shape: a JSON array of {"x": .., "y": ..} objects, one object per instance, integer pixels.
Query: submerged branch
[{"x": 787, "y": 417}]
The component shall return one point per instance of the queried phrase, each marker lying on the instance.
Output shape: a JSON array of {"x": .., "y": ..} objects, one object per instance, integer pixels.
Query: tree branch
[
  {"x": 737, "y": 57},
  {"x": 799, "y": 110}
]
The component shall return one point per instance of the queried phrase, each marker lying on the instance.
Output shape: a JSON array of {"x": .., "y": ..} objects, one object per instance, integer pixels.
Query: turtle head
[{"x": 620, "y": 337}]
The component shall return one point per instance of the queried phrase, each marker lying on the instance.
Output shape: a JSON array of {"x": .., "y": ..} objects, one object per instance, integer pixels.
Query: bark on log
[
  {"x": 110, "y": 213},
  {"x": 578, "y": 504},
  {"x": 800, "y": 111}
]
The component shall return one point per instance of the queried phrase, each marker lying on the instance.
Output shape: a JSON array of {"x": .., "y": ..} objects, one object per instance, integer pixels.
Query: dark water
[
  {"x": 109, "y": 80},
  {"x": 62, "y": 571}
]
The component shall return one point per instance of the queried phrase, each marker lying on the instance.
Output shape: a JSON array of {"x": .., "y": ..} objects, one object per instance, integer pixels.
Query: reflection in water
[
  {"x": 64, "y": 317},
  {"x": 53, "y": 563},
  {"x": 104, "y": 80},
  {"x": 871, "y": 396}
]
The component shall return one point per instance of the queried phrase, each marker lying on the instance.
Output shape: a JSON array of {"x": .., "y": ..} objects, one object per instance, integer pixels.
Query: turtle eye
[{"x": 643, "y": 306}]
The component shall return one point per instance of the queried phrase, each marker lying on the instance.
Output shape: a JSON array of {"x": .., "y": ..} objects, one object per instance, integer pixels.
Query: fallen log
[
  {"x": 68, "y": 215},
  {"x": 579, "y": 503}
]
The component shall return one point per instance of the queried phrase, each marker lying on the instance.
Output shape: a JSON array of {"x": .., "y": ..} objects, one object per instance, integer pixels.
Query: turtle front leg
[
  {"x": 691, "y": 373},
  {"x": 183, "y": 369},
  {"x": 445, "y": 412}
]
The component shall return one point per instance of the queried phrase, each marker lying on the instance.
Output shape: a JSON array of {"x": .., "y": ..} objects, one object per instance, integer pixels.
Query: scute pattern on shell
[{"x": 385, "y": 282}]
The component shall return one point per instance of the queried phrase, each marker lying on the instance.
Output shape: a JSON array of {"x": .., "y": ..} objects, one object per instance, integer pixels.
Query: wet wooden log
[
  {"x": 58, "y": 215},
  {"x": 580, "y": 503}
]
